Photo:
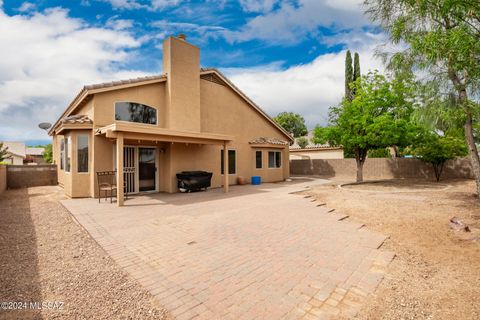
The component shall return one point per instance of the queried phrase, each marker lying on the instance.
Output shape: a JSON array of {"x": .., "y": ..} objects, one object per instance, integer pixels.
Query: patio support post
[
  {"x": 120, "y": 169},
  {"x": 225, "y": 167}
]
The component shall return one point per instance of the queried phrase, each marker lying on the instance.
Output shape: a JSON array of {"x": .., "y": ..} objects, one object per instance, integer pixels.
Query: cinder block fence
[
  {"x": 28, "y": 176},
  {"x": 380, "y": 168}
]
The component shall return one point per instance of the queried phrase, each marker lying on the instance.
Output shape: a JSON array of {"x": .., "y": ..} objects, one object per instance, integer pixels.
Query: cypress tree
[
  {"x": 356, "y": 70},
  {"x": 356, "y": 67},
  {"x": 348, "y": 75}
]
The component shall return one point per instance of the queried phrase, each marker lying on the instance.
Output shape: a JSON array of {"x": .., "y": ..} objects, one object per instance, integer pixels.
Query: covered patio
[{"x": 124, "y": 134}]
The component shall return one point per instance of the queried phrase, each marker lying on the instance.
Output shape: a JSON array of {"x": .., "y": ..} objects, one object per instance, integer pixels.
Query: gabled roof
[
  {"x": 268, "y": 140},
  {"x": 122, "y": 82},
  {"x": 15, "y": 147},
  {"x": 78, "y": 118},
  {"x": 88, "y": 90},
  {"x": 34, "y": 151}
]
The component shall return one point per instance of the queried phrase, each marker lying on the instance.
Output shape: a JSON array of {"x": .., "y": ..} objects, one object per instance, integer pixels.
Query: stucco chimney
[{"x": 181, "y": 63}]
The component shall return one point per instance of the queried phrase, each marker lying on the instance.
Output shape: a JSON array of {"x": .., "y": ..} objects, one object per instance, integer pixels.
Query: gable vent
[{"x": 212, "y": 78}]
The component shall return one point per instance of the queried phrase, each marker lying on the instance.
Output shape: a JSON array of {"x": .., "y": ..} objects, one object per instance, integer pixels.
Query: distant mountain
[{"x": 33, "y": 143}]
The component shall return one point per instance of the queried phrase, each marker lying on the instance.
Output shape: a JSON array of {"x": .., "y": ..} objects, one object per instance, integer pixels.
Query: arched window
[{"x": 135, "y": 112}]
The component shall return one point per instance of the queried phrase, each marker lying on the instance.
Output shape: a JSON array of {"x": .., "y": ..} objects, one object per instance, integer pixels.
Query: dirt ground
[
  {"x": 436, "y": 273},
  {"x": 46, "y": 257}
]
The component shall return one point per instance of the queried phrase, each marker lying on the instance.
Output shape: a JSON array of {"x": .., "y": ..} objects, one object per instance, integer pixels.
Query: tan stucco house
[{"x": 151, "y": 128}]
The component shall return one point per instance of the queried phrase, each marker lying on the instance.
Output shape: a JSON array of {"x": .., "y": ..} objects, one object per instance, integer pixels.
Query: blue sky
[{"x": 287, "y": 55}]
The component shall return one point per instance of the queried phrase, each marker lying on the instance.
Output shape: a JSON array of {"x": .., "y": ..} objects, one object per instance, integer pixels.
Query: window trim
[
  {"x": 88, "y": 153},
  {"x": 221, "y": 162},
  {"x": 136, "y": 123},
  {"x": 275, "y": 159},
  {"x": 68, "y": 147},
  {"x": 261, "y": 160}
]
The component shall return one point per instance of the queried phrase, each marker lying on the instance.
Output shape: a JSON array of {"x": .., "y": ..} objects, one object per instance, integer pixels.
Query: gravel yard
[
  {"x": 45, "y": 256},
  {"x": 436, "y": 273}
]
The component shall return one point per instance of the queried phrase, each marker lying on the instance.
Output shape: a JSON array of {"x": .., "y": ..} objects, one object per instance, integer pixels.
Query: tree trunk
[
  {"x": 359, "y": 171},
  {"x": 468, "y": 127},
  {"x": 360, "y": 156},
  {"x": 472, "y": 151},
  {"x": 438, "y": 169}
]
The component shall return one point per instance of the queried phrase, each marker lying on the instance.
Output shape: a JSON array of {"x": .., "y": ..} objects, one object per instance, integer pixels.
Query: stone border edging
[{"x": 341, "y": 186}]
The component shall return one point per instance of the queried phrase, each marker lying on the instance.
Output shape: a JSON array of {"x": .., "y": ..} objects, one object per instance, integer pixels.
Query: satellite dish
[{"x": 45, "y": 125}]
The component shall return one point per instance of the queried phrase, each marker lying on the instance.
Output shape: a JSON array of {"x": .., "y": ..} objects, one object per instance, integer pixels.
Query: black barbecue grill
[{"x": 193, "y": 180}]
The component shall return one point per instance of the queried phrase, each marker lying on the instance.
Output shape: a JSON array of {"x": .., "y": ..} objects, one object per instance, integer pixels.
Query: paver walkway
[{"x": 258, "y": 252}]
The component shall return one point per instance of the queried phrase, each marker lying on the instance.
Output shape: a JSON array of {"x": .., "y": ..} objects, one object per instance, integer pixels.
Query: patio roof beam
[{"x": 161, "y": 138}]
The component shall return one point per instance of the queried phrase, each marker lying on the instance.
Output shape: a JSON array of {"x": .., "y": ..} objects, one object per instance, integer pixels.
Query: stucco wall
[
  {"x": 224, "y": 111},
  {"x": 379, "y": 168},
  {"x": 152, "y": 95},
  {"x": 31, "y": 176},
  {"x": 3, "y": 178}
]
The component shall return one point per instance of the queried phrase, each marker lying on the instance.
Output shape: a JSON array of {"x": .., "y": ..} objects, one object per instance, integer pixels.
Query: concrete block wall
[
  {"x": 31, "y": 176},
  {"x": 379, "y": 168},
  {"x": 3, "y": 178}
]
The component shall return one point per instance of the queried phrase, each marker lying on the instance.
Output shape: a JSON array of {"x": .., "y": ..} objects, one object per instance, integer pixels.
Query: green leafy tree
[
  {"x": 292, "y": 122},
  {"x": 377, "y": 117},
  {"x": 48, "y": 153},
  {"x": 348, "y": 76},
  {"x": 443, "y": 40},
  {"x": 379, "y": 153},
  {"x": 436, "y": 150},
  {"x": 3, "y": 152},
  {"x": 302, "y": 142}
]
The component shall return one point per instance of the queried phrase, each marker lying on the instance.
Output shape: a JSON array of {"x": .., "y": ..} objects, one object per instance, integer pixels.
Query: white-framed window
[
  {"x": 232, "y": 162},
  {"x": 68, "y": 154},
  {"x": 62, "y": 154},
  {"x": 82, "y": 153},
  {"x": 258, "y": 159},
  {"x": 135, "y": 112},
  {"x": 274, "y": 159}
]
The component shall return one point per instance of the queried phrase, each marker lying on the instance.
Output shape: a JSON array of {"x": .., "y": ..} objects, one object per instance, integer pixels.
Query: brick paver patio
[{"x": 258, "y": 252}]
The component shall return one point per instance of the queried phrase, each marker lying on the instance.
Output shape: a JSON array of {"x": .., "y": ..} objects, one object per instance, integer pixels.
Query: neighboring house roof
[
  {"x": 267, "y": 140},
  {"x": 114, "y": 85},
  {"x": 15, "y": 148},
  {"x": 34, "y": 151},
  {"x": 312, "y": 146}
]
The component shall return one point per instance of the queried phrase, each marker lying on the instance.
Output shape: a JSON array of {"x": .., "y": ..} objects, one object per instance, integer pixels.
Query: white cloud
[
  {"x": 292, "y": 23},
  {"x": 119, "y": 24},
  {"x": 161, "y": 4},
  {"x": 125, "y": 4},
  {"x": 308, "y": 89},
  {"x": 46, "y": 58},
  {"x": 27, "y": 6},
  {"x": 258, "y": 5},
  {"x": 152, "y": 5}
]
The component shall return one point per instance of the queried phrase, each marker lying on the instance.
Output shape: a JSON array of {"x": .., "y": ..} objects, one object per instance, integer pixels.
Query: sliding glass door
[{"x": 146, "y": 169}]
